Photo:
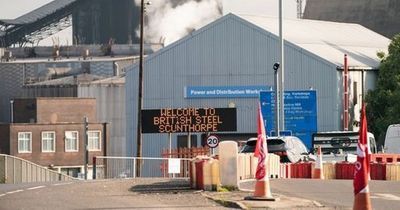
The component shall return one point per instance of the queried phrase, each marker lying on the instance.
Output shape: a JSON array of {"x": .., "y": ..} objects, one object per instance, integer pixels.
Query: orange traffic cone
[
  {"x": 362, "y": 201},
  {"x": 318, "y": 168},
  {"x": 262, "y": 191}
]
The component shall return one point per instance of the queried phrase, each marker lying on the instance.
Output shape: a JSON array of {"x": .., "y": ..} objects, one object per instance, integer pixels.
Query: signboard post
[
  {"x": 300, "y": 112},
  {"x": 212, "y": 141}
]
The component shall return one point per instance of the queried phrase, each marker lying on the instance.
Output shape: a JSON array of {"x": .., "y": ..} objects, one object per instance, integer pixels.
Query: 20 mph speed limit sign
[{"x": 212, "y": 141}]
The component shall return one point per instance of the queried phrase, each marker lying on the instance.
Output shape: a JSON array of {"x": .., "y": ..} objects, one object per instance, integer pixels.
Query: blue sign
[
  {"x": 224, "y": 91},
  {"x": 300, "y": 112}
]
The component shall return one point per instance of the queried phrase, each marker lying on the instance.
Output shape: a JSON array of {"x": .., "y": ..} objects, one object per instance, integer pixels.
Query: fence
[
  {"x": 105, "y": 167},
  {"x": 16, "y": 170},
  {"x": 185, "y": 152}
]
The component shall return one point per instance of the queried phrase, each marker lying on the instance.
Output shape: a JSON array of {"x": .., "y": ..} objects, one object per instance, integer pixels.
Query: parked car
[
  {"x": 392, "y": 139},
  {"x": 289, "y": 148}
]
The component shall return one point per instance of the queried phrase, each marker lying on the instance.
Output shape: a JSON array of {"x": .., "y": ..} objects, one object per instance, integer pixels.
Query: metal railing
[
  {"x": 16, "y": 170},
  {"x": 125, "y": 167}
]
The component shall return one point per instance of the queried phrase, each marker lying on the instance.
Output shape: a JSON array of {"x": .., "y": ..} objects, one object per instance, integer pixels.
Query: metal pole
[
  {"x": 282, "y": 70},
  {"x": 346, "y": 96},
  {"x": 12, "y": 111},
  {"x": 140, "y": 96},
  {"x": 276, "y": 79},
  {"x": 189, "y": 141},
  {"x": 170, "y": 144},
  {"x": 362, "y": 85},
  {"x": 86, "y": 147}
]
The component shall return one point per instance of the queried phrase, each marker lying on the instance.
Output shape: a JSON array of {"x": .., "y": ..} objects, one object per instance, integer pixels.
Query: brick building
[{"x": 51, "y": 132}]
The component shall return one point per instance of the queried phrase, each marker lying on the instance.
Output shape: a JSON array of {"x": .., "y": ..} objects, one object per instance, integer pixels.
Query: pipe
[{"x": 346, "y": 95}]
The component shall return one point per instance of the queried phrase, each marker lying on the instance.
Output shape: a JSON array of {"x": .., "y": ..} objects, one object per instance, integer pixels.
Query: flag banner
[
  {"x": 361, "y": 173},
  {"x": 261, "y": 150}
]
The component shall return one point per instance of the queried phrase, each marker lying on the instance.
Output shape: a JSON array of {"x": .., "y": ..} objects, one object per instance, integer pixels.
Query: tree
[{"x": 384, "y": 102}]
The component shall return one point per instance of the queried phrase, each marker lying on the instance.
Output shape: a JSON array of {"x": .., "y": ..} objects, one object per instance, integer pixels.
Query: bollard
[{"x": 94, "y": 168}]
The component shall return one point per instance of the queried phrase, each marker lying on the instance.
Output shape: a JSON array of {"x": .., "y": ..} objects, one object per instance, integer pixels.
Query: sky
[{"x": 10, "y": 9}]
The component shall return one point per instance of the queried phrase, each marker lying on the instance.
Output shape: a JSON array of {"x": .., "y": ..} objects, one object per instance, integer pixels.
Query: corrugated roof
[
  {"x": 117, "y": 80},
  {"x": 69, "y": 80},
  {"x": 40, "y": 12},
  {"x": 328, "y": 40}
]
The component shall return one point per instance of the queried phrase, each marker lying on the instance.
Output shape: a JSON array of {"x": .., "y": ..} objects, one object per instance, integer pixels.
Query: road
[
  {"x": 385, "y": 195},
  {"x": 100, "y": 195}
]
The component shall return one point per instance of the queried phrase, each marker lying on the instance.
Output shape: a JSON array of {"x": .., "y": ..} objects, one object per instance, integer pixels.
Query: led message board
[{"x": 184, "y": 120}]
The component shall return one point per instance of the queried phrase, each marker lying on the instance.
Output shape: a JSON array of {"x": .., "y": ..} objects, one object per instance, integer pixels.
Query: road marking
[
  {"x": 2, "y": 195},
  {"x": 386, "y": 196},
  {"x": 38, "y": 187},
  {"x": 59, "y": 184},
  {"x": 12, "y": 192}
]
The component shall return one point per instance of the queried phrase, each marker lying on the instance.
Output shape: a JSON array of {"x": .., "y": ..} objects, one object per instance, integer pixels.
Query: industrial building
[
  {"x": 51, "y": 132},
  {"x": 238, "y": 51},
  {"x": 93, "y": 21},
  {"x": 381, "y": 16}
]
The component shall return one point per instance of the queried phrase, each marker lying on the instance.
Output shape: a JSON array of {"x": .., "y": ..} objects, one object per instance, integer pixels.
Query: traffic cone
[
  {"x": 262, "y": 191},
  {"x": 362, "y": 201},
  {"x": 318, "y": 168}
]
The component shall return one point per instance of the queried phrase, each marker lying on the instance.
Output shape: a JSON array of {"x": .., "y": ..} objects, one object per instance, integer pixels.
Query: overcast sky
[{"x": 10, "y": 9}]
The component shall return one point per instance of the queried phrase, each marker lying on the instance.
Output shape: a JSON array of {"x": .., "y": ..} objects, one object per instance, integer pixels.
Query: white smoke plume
[{"x": 169, "y": 20}]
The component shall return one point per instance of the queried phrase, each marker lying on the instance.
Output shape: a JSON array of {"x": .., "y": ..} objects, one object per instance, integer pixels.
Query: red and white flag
[
  {"x": 261, "y": 150},
  {"x": 362, "y": 170}
]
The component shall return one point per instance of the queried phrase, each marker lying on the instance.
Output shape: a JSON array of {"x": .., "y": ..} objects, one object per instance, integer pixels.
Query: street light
[
  {"x": 276, "y": 79},
  {"x": 140, "y": 96}
]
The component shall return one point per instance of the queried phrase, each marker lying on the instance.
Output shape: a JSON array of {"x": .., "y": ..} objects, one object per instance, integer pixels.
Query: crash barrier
[
  {"x": 385, "y": 158},
  {"x": 393, "y": 171},
  {"x": 15, "y": 170},
  {"x": 247, "y": 166},
  {"x": 205, "y": 173},
  {"x": 301, "y": 170},
  {"x": 339, "y": 170}
]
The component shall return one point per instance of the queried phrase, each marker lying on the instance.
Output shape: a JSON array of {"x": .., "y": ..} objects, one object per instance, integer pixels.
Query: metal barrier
[
  {"x": 105, "y": 167},
  {"x": 16, "y": 170}
]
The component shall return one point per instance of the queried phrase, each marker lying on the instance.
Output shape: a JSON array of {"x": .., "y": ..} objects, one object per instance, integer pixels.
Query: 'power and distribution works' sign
[{"x": 300, "y": 112}]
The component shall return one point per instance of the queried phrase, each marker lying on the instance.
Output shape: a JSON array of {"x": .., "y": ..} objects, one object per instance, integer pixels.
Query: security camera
[{"x": 276, "y": 66}]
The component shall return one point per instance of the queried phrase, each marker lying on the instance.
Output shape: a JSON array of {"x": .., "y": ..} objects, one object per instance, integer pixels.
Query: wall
[
  {"x": 71, "y": 110},
  {"x": 110, "y": 105}
]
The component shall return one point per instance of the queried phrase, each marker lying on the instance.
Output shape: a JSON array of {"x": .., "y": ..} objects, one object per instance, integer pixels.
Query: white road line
[
  {"x": 2, "y": 195},
  {"x": 59, "y": 184},
  {"x": 12, "y": 192},
  {"x": 387, "y": 196},
  {"x": 38, "y": 187}
]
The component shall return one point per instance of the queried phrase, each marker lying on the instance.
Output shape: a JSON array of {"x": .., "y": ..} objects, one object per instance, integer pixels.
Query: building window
[
  {"x": 94, "y": 140},
  {"x": 24, "y": 142},
  {"x": 48, "y": 141},
  {"x": 71, "y": 141}
]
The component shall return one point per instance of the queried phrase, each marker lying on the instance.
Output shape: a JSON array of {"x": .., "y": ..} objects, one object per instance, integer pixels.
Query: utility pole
[{"x": 140, "y": 96}]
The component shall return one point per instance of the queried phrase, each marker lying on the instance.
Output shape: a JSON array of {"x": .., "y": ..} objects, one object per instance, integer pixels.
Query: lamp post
[{"x": 282, "y": 69}]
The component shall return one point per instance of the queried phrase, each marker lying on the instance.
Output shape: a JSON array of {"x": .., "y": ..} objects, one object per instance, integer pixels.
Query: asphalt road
[
  {"x": 385, "y": 195},
  {"x": 99, "y": 195}
]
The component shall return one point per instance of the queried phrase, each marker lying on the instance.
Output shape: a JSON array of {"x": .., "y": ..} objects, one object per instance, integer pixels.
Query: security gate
[{"x": 105, "y": 167}]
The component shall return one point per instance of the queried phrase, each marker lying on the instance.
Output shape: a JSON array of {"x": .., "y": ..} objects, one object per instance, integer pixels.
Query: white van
[
  {"x": 336, "y": 142},
  {"x": 392, "y": 139}
]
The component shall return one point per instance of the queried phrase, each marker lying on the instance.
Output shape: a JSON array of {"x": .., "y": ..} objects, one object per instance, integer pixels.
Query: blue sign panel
[
  {"x": 224, "y": 91},
  {"x": 300, "y": 112}
]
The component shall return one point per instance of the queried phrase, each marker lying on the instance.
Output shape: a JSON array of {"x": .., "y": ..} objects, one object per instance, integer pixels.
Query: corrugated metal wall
[
  {"x": 110, "y": 106},
  {"x": 229, "y": 52}
]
